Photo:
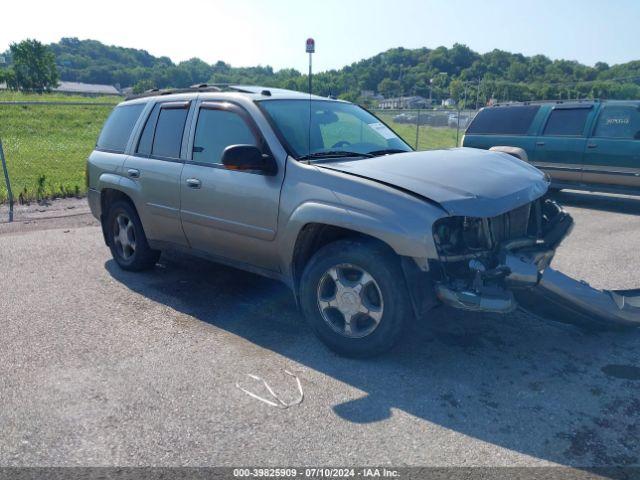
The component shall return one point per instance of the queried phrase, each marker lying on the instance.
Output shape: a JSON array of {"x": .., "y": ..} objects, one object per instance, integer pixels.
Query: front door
[
  {"x": 612, "y": 156},
  {"x": 226, "y": 213},
  {"x": 560, "y": 147}
]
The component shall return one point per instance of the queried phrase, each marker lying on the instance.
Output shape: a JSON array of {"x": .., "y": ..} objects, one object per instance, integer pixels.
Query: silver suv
[{"x": 325, "y": 197}]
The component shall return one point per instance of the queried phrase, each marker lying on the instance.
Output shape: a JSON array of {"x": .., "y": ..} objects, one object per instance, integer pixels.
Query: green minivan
[{"x": 589, "y": 145}]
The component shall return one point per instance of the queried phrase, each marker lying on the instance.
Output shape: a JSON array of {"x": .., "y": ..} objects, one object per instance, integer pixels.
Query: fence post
[
  {"x": 417, "y": 128},
  {"x": 7, "y": 181}
]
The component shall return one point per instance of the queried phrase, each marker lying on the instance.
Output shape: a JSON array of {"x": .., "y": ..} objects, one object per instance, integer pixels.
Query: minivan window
[
  {"x": 118, "y": 127},
  {"x": 619, "y": 121},
  {"x": 146, "y": 139},
  {"x": 512, "y": 120},
  {"x": 215, "y": 131},
  {"x": 567, "y": 122},
  {"x": 167, "y": 140}
]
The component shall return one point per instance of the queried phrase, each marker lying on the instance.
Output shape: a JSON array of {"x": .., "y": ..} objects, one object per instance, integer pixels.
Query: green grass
[
  {"x": 9, "y": 96},
  {"x": 429, "y": 138},
  {"x": 46, "y": 146}
]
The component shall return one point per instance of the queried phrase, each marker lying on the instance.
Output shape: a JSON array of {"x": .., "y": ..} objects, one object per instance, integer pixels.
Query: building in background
[
  {"x": 77, "y": 88},
  {"x": 89, "y": 89},
  {"x": 370, "y": 95},
  {"x": 397, "y": 103}
]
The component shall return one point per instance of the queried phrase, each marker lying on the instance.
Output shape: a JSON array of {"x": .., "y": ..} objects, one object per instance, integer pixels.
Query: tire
[
  {"x": 136, "y": 255},
  {"x": 383, "y": 293}
]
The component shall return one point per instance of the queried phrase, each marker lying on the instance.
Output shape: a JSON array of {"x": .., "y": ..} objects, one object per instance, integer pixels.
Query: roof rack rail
[
  {"x": 199, "y": 87},
  {"x": 539, "y": 102},
  {"x": 203, "y": 87}
]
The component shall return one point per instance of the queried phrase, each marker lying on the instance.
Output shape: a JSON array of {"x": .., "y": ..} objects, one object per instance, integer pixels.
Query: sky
[{"x": 273, "y": 32}]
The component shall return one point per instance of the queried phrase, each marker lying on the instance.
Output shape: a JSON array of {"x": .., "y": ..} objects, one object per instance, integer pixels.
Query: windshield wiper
[
  {"x": 334, "y": 154},
  {"x": 388, "y": 151}
]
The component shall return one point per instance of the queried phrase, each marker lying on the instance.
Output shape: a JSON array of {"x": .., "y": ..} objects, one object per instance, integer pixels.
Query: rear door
[
  {"x": 560, "y": 145},
  {"x": 612, "y": 156},
  {"x": 156, "y": 167},
  {"x": 226, "y": 213}
]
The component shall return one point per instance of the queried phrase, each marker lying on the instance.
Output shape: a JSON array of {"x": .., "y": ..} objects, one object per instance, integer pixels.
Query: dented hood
[{"x": 464, "y": 181}]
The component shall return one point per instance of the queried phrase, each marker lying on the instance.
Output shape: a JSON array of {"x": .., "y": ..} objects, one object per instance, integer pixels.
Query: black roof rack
[
  {"x": 544, "y": 102},
  {"x": 201, "y": 87}
]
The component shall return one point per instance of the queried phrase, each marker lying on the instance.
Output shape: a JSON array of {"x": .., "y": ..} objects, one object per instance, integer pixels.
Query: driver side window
[{"x": 215, "y": 131}]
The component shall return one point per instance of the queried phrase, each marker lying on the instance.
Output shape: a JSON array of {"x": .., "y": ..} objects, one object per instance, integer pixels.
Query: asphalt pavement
[{"x": 103, "y": 367}]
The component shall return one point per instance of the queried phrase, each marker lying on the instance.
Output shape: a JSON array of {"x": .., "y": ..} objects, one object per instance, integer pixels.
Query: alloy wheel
[
  {"x": 124, "y": 236},
  {"x": 350, "y": 300}
]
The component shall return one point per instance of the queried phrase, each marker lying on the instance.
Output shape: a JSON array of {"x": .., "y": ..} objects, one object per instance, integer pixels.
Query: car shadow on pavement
[
  {"x": 544, "y": 389},
  {"x": 599, "y": 201}
]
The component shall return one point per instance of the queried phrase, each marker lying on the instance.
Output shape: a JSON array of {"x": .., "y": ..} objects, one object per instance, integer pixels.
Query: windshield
[{"x": 336, "y": 128}]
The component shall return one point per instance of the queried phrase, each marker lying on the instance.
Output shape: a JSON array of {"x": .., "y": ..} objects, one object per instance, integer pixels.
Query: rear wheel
[
  {"x": 127, "y": 241},
  {"x": 354, "y": 296}
]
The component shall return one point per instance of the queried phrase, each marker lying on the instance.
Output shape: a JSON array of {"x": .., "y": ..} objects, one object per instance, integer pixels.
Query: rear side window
[
  {"x": 619, "y": 121},
  {"x": 215, "y": 131},
  {"x": 514, "y": 120},
  {"x": 567, "y": 122},
  {"x": 167, "y": 140},
  {"x": 146, "y": 139},
  {"x": 118, "y": 127}
]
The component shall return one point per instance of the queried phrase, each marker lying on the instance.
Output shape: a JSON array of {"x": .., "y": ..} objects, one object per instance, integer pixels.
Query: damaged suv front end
[
  {"x": 494, "y": 243},
  {"x": 496, "y": 264}
]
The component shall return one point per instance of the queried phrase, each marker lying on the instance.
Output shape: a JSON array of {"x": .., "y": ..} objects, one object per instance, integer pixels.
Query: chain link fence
[
  {"x": 428, "y": 129},
  {"x": 45, "y": 145}
]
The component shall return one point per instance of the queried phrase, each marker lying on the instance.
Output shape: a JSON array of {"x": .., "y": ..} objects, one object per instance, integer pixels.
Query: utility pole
[{"x": 430, "y": 92}]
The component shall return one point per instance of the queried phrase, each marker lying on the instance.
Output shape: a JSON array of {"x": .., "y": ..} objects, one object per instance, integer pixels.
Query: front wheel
[
  {"x": 354, "y": 296},
  {"x": 127, "y": 240}
]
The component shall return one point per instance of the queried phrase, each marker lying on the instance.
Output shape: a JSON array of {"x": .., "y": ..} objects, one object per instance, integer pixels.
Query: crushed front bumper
[
  {"x": 523, "y": 277},
  {"x": 560, "y": 297}
]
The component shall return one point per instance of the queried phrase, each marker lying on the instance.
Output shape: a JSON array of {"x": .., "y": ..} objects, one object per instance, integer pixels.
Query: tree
[
  {"x": 34, "y": 67},
  {"x": 143, "y": 86},
  {"x": 398, "y": 71},
  {"x": 389, "y": 88}
]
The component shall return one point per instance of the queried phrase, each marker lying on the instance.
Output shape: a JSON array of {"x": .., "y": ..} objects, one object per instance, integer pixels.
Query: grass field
[
  {"x": 46, "y": 145},
  {"x": 429, "y": 138}
]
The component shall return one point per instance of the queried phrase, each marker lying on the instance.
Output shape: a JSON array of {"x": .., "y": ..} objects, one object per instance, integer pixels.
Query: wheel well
[
  {"x": 108, "y": 196},
  {"x": 314, "y": 236}
]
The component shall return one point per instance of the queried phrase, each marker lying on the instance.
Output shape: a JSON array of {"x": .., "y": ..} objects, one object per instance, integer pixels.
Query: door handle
[
  {"x": 592, "y": 145},
  {"x": 540, "y": 144},
  {"x": 133, "y": 173},
  {"x": 193, "y": 183}
]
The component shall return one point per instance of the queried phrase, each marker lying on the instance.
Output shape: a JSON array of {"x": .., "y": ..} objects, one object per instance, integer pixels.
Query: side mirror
[{"x": 248, "y": 158}]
